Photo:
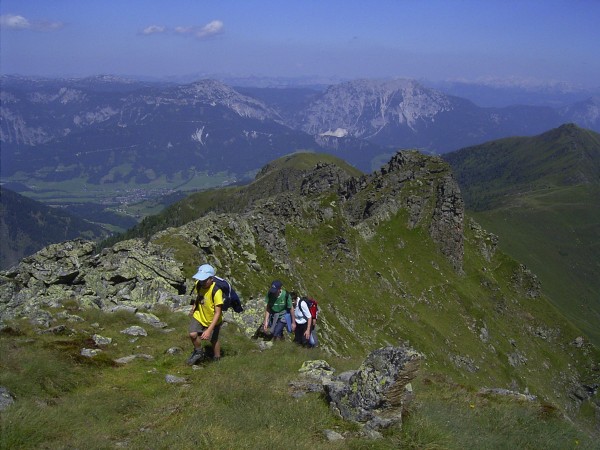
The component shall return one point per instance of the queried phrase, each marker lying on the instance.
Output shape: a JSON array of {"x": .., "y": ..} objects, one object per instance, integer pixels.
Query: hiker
[
  {"x": 278, "y": 302},
  {"x": 206, "y": 314},
  {"x": 304, "y": 323}
]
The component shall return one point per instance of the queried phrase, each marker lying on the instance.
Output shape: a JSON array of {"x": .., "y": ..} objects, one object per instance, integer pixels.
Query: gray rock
[
  {"x": 135, "y": 331},
  {"x": 172, "y": 379},
  {"x": 526, "y": 282},
  {"x": 90, "y": 352},
  {"x": 129, "y": 275},
  {"x": 332, "y": 436},
  {"x": 508, "y": 393},
  {"x": 174, "y": 351},
  {"x": 317, "y": 369},
  {"x": 464, "y": 362},
  {"x": 101, "y": 340},
  {"x": 126, "y": 308},
  {"x": 578, "y": 342},
  {"x": 150, "y": 319},
  {"x": 6, "y": 398},
  {"x": 376, "y": 393},
  {"x": 58, "y": 329},
  {"x": 516, "y": 359}
]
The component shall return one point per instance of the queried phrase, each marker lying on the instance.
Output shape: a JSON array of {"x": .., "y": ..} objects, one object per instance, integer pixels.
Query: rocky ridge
[
  {"x": 141, "y": 275},
  {"x": 272, "y": 233}
]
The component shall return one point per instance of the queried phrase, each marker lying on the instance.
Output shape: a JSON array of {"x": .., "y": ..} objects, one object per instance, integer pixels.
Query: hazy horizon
[{"x": 525, "y": 41}]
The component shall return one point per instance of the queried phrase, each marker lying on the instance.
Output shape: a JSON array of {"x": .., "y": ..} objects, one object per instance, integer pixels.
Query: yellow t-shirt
[{"x": 205, "y": 308}]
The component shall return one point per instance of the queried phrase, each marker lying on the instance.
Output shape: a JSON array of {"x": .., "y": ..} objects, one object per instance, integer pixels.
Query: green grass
[
  {"x": 397, "y": 287},
  {"x": 556, "y": 233},
  {"x": 65, "y": 400},
  {"x": 451, "y": 417}
]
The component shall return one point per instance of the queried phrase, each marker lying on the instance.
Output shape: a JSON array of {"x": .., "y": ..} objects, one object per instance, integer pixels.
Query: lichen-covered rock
[
  {"x": 375, "y": 394},
  {"x": 317, "y": 369},
  {"x": 130, "y": 358},
  {"x": 486, "y": 242},
  {"x": 172, "y": 379},
  {"x": 151, "y": 320},
  {"x": 90, "y": 352},
  {"x": 132, "y": 273}
]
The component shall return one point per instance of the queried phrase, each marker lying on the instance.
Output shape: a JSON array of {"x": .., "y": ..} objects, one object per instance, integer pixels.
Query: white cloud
[
  {"x": 210, "y": 29},
  {"x": 16, "y": 22},
  {"x": 154, "y": 29},
  {"x": 184, "y": 30}
]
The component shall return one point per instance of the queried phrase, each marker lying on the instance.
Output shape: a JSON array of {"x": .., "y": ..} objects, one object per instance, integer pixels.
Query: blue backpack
[{"x": 230, "y": 298}]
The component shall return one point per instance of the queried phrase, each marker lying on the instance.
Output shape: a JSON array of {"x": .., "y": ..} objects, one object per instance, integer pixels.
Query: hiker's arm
[
  {"x": 207, "y": 334},
  {"x": 194, "y": 304},
  {"x": 308, "y": 327},
  {"x": 292, "y": 311}
]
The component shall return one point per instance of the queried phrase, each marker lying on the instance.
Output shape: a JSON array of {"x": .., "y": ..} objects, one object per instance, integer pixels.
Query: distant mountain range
[
  {"x": 107, "y": 129},
  {"x": 501, "y": 93}
]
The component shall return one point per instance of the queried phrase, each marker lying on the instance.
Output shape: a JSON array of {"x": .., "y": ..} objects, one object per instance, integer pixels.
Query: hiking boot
[{"x": 196, "y": 356}]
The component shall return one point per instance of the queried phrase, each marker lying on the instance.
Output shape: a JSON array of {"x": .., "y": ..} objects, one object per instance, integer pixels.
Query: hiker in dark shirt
[{"x": 277, "y": 303}]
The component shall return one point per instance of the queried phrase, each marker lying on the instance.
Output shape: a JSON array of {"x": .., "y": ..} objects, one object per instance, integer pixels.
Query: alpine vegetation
[{"x": 429, "y": 335}]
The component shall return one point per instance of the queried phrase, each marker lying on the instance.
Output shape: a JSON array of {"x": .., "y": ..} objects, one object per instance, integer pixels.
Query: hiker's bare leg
[
  {"x": 217, "y": 349},
  {"x": 195, "y": 338}
]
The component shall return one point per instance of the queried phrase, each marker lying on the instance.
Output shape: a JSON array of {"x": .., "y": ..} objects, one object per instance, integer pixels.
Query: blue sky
[{"x": 425, "y": 39}]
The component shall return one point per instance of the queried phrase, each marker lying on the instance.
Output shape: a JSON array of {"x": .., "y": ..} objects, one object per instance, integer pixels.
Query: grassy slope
[
  {"x": 69, "y": 401},
  {"x": 540, "y": 195},
  {"x": 393, "y": 288},
  {"x": 557, "y": 234}
]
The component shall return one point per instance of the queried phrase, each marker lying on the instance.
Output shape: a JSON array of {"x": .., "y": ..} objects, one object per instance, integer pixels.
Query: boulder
[{"x": 376, "y": 394}]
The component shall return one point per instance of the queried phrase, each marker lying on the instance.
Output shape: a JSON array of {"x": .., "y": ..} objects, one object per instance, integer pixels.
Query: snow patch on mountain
[
  {"x": 199, "y": 136},
  {"x": 339, "y": 133}
]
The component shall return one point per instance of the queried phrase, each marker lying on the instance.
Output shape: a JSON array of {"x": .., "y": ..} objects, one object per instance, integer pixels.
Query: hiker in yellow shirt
[{"x": 206, "y": 314}]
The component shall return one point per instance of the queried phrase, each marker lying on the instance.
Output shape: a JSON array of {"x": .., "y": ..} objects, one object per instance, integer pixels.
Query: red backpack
[{"x": 313, "y": 307}]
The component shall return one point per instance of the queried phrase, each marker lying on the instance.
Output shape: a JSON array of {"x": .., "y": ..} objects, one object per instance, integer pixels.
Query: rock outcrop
[
  {"x": 376, "y": 394},
  {"x": 132, "y": 273}
]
